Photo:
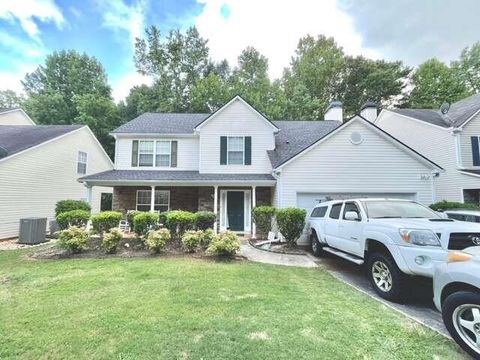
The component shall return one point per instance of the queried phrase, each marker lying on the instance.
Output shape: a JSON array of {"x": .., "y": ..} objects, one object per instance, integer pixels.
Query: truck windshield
[{"x": 397, "y": 209}]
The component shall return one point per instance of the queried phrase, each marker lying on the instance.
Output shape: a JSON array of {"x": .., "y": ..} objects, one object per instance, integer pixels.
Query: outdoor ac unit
[{"x": 32, "y": 230}]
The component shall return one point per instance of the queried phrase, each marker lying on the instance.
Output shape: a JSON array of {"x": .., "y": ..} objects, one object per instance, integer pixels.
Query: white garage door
[{"x": 308, "y": 200}]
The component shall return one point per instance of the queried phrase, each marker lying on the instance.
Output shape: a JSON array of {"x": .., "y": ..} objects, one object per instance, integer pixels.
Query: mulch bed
[{"x": 129, "y": 247}]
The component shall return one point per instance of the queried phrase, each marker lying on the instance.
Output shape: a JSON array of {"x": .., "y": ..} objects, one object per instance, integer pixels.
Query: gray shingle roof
[
  {"x": 296, "y": 136},
  {"x": 162, "y": 123},
  {"x": 459, "y": 112},
  {"x": 16, "y": 138},
  {"x": 8, "y": 109},
  {"x": 169, "y": 175}
]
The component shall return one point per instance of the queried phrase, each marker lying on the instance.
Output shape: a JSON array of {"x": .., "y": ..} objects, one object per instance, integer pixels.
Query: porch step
[{"x": 344, "y": 255}]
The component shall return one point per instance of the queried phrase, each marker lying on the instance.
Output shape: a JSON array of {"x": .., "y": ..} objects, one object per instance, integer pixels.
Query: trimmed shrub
[
  {"x": 77, "y": 218},
  {"x": 157, "y": 240},
  {"x": 204, "y": 220},
  {"x": 179, "y": 221},
  {"x": 162, "y": 217},
  {"x": 450, "y": 205},
  {"x": 130, "y": 215},
  {"x": 263, "y": 217},
  {"x": 144, "y": 222},
  {"x": 111, "y": 239},
  {"x": 191, "y": 240},
  {"x": 206, "y": 238},
  {"x": 224, "y": 244},
  {"x": 69, "y": 205},
  {"x": 105, "y": 221},
  {"x": 291, "y": 222},
  {"x": 73, "y": 239}
]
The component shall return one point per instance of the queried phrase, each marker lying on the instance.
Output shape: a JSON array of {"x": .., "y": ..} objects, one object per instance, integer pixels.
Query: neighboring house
[
  {"x": 451, "y": 139},
  {"x": 40, "y": 165},
  {"x": 14, "y": 116},
  {"x": 235, "y": 159}
]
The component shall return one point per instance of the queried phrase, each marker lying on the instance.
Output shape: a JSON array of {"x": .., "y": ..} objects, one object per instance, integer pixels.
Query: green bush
[
  {"x": 191, "y": 240},
  {"x": 450, "y": 205},
  {"x": 291, "y": 222},
  {"x": 162, "y": 217},
  {"x": 179, "y": 221},
  {"x": 224, "y": 244},
  {"x": 263, "y": 217},
  {"x": 77, "y": 218},
  {"x": 144, "y": 222},
  {"x": 105, "y": 221},
  {"x": 69, "y": 205},
  {"x": 157, "y": 240},
  {"x": 111, "y": 239},
  {"x": 204, "y": 220},
  {"x": 73, "y": 239},
  {"x": 206, "y": 238},
  {"x": 130, "y": 215}
]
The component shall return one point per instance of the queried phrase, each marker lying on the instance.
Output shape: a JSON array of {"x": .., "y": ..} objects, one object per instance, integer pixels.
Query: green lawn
[{"x": 180, "y": 308}]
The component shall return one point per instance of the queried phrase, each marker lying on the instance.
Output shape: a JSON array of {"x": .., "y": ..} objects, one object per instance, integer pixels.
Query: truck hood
[{"x": 437, "y": 226}]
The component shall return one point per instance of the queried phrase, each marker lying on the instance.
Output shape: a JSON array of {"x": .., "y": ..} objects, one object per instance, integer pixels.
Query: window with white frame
[
  {"x": 163, "y": 153},
  {"x": 235, "y": 150},
  {"x": 162, "y": 200},
  {"x": 82, "y": 163},
  {"x": 145, "y": 153}
]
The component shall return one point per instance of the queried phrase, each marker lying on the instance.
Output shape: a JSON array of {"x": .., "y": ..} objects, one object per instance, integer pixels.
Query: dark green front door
[{"x": 235, "y": 210}]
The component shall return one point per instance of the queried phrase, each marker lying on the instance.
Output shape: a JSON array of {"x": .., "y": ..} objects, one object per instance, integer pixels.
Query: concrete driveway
[{"x": 418, "y": 305}]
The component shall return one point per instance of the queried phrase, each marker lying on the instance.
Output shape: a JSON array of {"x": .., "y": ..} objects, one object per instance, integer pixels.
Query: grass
[{"x": 192, "y": 309}]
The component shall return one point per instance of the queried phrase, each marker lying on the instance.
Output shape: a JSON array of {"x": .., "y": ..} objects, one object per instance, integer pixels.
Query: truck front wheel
[
  {"x": 315, "y": 244},
  {"x": 385, "y": 276}
]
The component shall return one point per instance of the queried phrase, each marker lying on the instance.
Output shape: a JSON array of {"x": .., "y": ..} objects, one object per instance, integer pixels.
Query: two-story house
[
  {"x": 449, "y": 137},
  {"x": 235, "y": 159}
]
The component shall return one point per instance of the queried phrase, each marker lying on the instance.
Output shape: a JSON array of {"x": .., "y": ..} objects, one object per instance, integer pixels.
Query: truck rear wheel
[
  {"x": 385, "y": 276},
  {"x": 315, "y": 245}
]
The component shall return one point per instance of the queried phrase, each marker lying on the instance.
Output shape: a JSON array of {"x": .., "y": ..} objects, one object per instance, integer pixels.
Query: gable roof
[
  {"x": 296, "y": 136},
  {"x": 13, "y": 109},
  {"x": 16, "y": 138},
  {"x": 323, "y": 135},
  {"x": 458, "y": 114},
  {"x": 162, "y": 123}
]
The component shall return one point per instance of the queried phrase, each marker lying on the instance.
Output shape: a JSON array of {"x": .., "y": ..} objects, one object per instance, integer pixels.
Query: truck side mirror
[{"x": 352, "y": 216}]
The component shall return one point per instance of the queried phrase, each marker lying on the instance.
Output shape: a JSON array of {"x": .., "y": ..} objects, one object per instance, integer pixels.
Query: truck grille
[{"x": 460, "y": 241}]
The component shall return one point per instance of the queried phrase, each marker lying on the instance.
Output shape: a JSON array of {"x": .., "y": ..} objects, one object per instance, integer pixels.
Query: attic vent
[{"x": 356, "y": 138}]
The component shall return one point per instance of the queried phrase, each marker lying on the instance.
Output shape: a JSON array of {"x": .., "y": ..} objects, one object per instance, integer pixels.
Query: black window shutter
[
  {"x": 223, "y": 150},
  {"x": 248, "y": 150},
  {"x": 173, "y": 154},
  {"x": 134, "y": 153},
  {"x": 475, "y": 152}
]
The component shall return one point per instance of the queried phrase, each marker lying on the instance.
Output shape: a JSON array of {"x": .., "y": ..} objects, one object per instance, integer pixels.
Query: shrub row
[
  {"x": 450, "y": 205},
  {"x": 101, "y": 222}
]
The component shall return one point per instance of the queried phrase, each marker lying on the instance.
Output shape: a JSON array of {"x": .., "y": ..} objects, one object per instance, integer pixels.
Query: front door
[{"x": 235, "y": 210}]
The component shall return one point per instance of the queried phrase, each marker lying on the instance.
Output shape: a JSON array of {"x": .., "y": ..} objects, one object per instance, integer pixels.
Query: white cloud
[
  {"x": 122, "y": 85},
  {"x": 274, "y": 28},
  {"x": 27, "y": 11},
  {"x": 11, "y": 79},
  {"x": 121, "y": 17}
]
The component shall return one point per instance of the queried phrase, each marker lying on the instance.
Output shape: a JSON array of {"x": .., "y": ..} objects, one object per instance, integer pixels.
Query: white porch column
[
  {"x": 254, "y": 203},
  {"x": 152, "y": 200},
  {"x": 215, "y": 208},
  {"x": 89, "y": 195}
]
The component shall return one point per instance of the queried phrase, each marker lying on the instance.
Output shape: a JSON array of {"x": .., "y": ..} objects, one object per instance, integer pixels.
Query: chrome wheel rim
[
  {"x": 382, "y": 276},
  {"x": 466, "y": 320}
]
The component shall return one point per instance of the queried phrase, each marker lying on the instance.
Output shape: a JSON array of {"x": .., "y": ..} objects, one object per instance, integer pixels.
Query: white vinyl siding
[
  {"x": 236, "y": 120},
  {"x": 469, "y": 130},
  {"x": 33, "y": 181},
  {"x": 187, "y": 153},
  {"x": 15, "y": 118},
  {"x": 162, "y": 200},
  {"x": 438, "y": 145},
  {"x": 336, "y": 166}
]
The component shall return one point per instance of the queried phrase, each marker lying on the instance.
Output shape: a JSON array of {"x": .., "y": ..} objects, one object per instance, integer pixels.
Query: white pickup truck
[{"x": 393, "y": 238}]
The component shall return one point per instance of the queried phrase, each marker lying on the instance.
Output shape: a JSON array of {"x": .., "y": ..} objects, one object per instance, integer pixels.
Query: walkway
[{"x": 267, "y": 257}]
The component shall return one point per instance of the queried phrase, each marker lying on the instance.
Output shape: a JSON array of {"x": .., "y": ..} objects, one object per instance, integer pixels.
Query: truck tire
[
  {"x": 315, "y": 245},
  {"x": 461, "y": 316},
  {"x": 385, "y": 276}
]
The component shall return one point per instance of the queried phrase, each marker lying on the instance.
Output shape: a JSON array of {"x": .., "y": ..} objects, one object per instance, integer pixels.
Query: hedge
[
  {"x": 291, "y": 222},
  {"x": 77, "y": 218},
  {"x": 105, "y": 221},
  {"x": 224, "y": 244},
  {"x": 157, "y": 240},
  {"x": 263, "y": 217},
  {"x": 69, "y": 205},
  {"x": 73, "y": 239},
  {"x": 204, "y": 220},
  {"x": 179, "y": 221},
  {"x": 144, "y": 222},
  {"x": 450, "y": 205}
]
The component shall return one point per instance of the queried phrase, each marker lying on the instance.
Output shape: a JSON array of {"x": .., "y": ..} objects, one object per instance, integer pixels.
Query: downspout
[
  {"x": 458, "y": 148},
  {"x": 276, "y": 174},
  {"x": 434, "y": 174}
]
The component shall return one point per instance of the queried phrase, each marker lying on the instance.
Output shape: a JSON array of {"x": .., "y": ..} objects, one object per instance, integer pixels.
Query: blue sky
[{"x": 408, "y": 30}]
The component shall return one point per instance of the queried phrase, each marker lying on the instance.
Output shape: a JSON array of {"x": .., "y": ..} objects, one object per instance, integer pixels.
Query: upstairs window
[
  {"x": 150, "y": 153},
  {"x": 163, "y": 153},
  {"x": 235, "y": 150},
  {"x": 145, "y": 153},
  {"x": 82, "y": 163},
  {"x": 475, "y": 151}
]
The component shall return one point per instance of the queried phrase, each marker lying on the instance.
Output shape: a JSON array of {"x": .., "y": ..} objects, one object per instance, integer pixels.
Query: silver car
[{"x": 457, "y": 295}]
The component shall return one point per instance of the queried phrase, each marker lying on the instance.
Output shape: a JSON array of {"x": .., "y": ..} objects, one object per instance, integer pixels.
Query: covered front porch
[{"x": 231, "y": 197}]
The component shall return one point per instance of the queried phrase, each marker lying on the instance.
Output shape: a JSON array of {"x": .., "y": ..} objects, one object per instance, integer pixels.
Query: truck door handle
[{"x": 353, "y": 238}]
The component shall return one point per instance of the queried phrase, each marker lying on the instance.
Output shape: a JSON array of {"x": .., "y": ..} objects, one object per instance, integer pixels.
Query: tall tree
[
  {"x": 69, "y": 87},
  {"x": 467, "y": 67},
  {"x": 434, "y": 83},
  {"x": 176, "y": 63},
  {"x": 10, "y": 99}
]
